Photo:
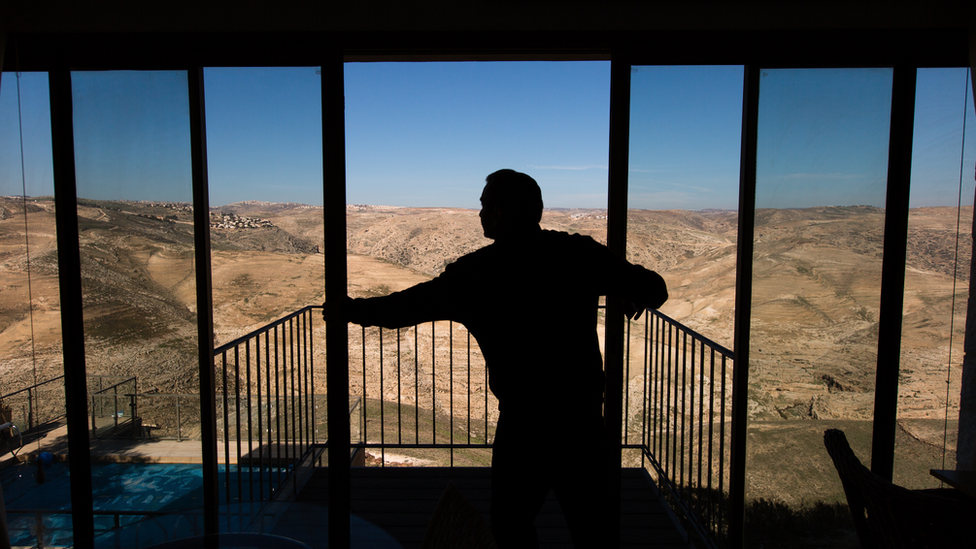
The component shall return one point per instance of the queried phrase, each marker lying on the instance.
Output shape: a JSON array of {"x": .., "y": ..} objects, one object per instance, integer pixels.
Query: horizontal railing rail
[
  {"x": 34, "y": 410},
  {"x": 31, "y": 388},
  {"x": 114, "y": 388}
]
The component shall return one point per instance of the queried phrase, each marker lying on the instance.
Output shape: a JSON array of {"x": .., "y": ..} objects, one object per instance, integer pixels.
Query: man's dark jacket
[{"x": 531, "y": 303}]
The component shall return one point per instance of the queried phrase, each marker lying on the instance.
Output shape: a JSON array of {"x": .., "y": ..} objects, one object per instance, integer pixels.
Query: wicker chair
[
  {"x": 456, "y": 524},
  {"x": 889, "y": 516}
]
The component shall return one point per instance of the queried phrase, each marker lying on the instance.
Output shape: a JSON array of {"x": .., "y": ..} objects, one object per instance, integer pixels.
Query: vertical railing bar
[
  {"x": 277, "y": 413},
  {"x": 721, "y": 444},
  {"x": 701, "y": 424},
  {"x": 283, "y": 383},
  {"x": 645, "y": 447},
  {"x": 663, "y": 395},
  {"x": 299, "y": 386},
  {"x": 257, "y": 372},
  {"x": 303, "y": 379},
  {"x": 298, "y": 391},
  {"x": 684, "y": 409},
  {"x": 399, "y": 398},
  {"x": 673, "y": 405},
  {"x": 250, "y": 439},
  {"x": 486, "y": 391},
  {"x": 226, "y": 429},
  {"x": 668, "y": 407},
  {"x": 666, "y": 399},
  {"x": 287, "y": 421},
  {"x": 237, "y": 419},
  {"x": 311, "y": 372},
  {"x": 295, "y": 332},
  {"x": 655, "y": 376},
  {"x": 416, "y": 383},
  {"x": 309, "y": 389},
  {"x": 271, "y": 408},
  {"x": 676, "y": 379},
  {"x": 711, "y": 433},
  {"x": 626, "y": 383},
  {"x": 290, "y": 394},
  {"x": 365, "y": 419},
  {"x": 691, "y": 418},
  {"x": 667, "y": 404},
  {"x": 309, "y": 382},
  {"x": 655, "y": 389},
  {"x": 382, "y": 406},
  {"x": 450, "y": 378},
  {"x": 433, "y": 383},
  {"x": 467, "y": 424},
  {"x": 179, "y": 422},
  {"x": 298, "y": 405},
  {"x": 30, "y": 406}
]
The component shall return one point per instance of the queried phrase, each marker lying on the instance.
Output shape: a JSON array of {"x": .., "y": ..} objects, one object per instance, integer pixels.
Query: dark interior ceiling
[
  {"x": 119, "y": 34},
  {"x": 478, "y": 15}
]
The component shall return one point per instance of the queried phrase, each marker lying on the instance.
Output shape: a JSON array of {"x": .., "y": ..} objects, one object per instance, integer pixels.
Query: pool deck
[
  {"x": 54, "y": 439},
  {"x": 398, "y": 502},
  {"x": 392, "y": 504}
]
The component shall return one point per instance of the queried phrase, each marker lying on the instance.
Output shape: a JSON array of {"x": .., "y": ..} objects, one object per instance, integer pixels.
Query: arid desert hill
[{"x": 815, "y": 299}]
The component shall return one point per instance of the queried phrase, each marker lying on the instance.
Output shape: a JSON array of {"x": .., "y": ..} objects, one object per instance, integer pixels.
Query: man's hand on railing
[
  {"x": 631, "y": 309},
  {"x": 347, "y": 309}
]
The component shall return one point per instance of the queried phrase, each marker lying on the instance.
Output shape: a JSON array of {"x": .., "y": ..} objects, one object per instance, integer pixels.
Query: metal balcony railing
[
  {"x": 681, "y": 420},
  {"x": 423, "y": 391},
  {"x": 113, "y": 408},
  {"x": 423, "y": 388},
  {"x": 267, "y": 412},
  {"x": 426, "y": 389},
  {"x": 35, "y": 405}
]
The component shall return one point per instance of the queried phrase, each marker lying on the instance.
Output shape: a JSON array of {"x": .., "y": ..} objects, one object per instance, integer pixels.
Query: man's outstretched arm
[{"x": 421, "y": 303}]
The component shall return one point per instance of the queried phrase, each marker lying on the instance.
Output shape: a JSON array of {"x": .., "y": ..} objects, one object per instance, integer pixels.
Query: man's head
[{"x": 511, "y": 204}]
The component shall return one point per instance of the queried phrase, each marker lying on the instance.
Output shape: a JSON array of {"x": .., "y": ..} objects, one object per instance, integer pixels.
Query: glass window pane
[
  {"x": 820, "y": 198},
  {"x": 420, "y": 140},
  {"x": 32, "y": 386},
  {"x": 132, "y": 160},
  {"x": 264, "y": 146},
  {"x": 936, "y": 277},
  {"x": 685, "y": 133}
]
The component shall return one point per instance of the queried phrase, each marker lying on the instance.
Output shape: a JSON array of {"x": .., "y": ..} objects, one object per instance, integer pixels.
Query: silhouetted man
[{"x": 530, "y": 299}]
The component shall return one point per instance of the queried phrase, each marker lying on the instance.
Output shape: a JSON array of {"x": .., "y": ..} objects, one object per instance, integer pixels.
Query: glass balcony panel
[
  {"x": 936, "y": 276},
  {"x": 820, "y": 198}
]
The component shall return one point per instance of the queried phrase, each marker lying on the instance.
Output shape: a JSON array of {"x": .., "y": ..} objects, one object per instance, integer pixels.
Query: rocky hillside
[{"x": 815, "y": 304}]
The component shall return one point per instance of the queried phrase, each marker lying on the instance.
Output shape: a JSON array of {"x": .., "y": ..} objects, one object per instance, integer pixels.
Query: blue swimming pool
[{"x": 166, "y": 496}]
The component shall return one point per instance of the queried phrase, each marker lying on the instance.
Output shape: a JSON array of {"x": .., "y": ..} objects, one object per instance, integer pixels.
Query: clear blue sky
[
  {"x": 823, "y": 137},
  {"x": 426, "y": 134}
]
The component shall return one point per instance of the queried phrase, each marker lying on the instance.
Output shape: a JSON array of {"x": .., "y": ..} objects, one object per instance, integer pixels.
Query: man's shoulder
[
  {"x": 562, "y": 239},
  {"x": 471, "y": 260}
]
